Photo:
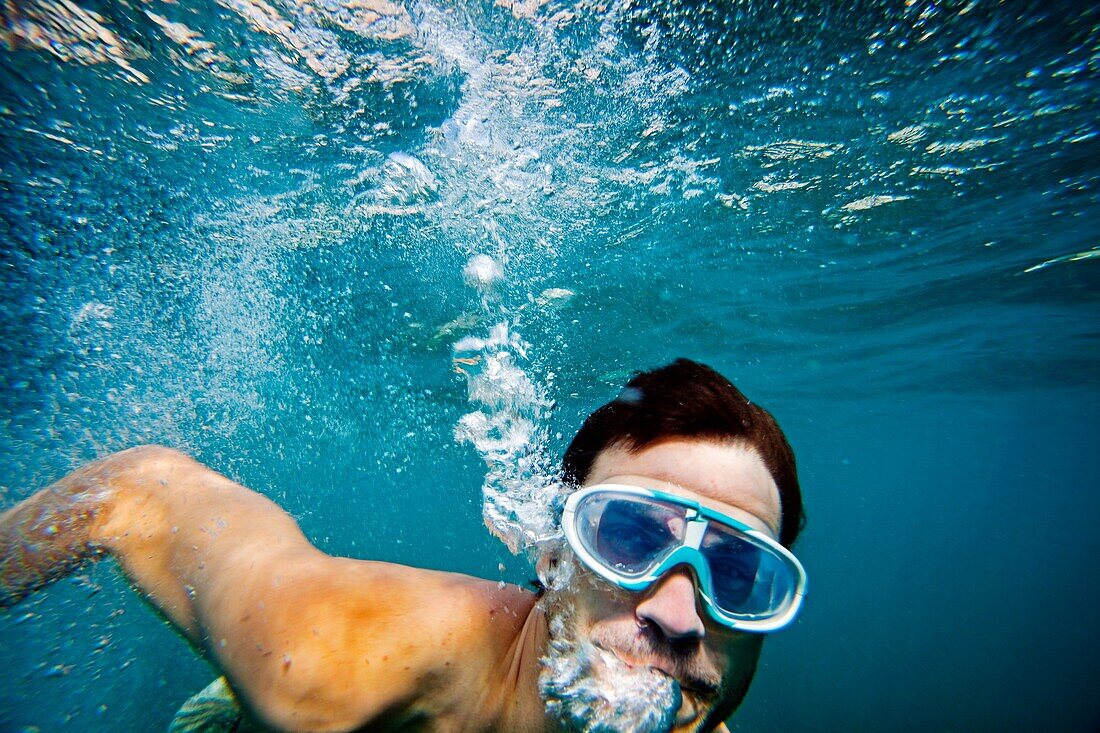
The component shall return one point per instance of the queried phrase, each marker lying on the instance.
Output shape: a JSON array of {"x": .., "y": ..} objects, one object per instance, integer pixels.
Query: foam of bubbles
[
  {"x": 592, "y": 690},
  {"x": 482, "y": 272},
  {"x": 507, "y": 430},
  {"x": 407, "y": 179}
]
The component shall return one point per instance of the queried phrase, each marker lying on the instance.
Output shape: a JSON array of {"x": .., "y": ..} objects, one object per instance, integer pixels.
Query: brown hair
[{"x": 688, "y": 400}]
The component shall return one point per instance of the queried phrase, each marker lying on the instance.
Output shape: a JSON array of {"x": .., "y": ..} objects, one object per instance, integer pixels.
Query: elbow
[
  {"x": 127, "y": 488},
  {"x": 130, "y": 466},
  {"x": 146, "y": 466}
]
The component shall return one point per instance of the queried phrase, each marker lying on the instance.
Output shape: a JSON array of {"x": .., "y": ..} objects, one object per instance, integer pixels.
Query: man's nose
[{"x": 670, "y": 605}]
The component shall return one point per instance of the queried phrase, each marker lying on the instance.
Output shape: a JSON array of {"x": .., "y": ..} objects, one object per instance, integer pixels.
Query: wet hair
[{"x": 688, "y": 400}]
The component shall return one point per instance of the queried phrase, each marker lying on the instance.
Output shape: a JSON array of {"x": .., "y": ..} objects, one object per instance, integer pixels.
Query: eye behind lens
[
  {"x": 628, "y": 535},
  {"x": 758, "y": 585}
]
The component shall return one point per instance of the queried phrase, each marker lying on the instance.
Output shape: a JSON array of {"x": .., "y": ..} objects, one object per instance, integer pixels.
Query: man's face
[{"x": 688, "y": 672}]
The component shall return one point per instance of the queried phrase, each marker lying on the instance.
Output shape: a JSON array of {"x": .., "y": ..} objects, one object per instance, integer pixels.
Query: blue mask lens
[
  {"x": 632, "y": 535},
  {"x": 748, "y": 580},
  {"x": 629, "y": 535},
  {"x": 733, "y": 569}
]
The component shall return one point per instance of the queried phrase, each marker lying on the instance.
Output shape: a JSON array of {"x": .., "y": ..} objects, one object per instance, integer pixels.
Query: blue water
[{"x": 879, "y": 222}]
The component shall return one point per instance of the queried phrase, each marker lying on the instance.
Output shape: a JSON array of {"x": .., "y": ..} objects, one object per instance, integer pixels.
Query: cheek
[
  {"x": 607, "y": 612},
  {"x": 597, "y": 599}
]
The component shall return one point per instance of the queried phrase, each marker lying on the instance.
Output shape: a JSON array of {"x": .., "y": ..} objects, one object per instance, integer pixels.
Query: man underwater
[{"x": 684, "y": 498}]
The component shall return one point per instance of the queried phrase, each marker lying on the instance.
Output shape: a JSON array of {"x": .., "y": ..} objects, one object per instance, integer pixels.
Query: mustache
[{"x": 682, "y": 658}]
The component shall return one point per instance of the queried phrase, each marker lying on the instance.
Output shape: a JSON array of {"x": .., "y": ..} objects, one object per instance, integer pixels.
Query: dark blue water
[{"x": 246, "y": 240}]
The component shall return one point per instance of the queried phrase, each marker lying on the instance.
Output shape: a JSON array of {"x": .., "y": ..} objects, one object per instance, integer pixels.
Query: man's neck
[
  {"x": 501, "y": 636},
  {"x": 522, "y": 707}
]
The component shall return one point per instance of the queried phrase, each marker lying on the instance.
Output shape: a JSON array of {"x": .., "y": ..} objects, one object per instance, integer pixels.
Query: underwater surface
[{"x": 251, "y": 229}]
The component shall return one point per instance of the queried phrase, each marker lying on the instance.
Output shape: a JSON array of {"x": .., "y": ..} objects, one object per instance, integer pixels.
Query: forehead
[{"x": 728, "y": 477}]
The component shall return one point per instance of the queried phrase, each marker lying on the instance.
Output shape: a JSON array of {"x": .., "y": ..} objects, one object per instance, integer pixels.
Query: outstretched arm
[
  {"x": 173, "y": 524},
  {"x": 307, "y": 641}
]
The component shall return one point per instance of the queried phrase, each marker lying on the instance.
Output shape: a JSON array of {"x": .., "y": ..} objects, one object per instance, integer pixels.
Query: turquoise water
[{"x": 242, "y": 232}]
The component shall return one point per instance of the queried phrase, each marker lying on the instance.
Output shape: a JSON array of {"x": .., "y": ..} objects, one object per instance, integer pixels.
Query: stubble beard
[{"x": 616, "y": 698}]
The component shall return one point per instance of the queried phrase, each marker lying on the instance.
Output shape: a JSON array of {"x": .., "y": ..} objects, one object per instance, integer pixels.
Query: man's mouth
[
  {"x": 693, "y": 693},
  {"x": 666, "y": 667}
]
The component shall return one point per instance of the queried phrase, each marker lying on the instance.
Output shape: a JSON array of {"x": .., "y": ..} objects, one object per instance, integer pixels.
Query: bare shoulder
[{"x": 330, "y": 643}]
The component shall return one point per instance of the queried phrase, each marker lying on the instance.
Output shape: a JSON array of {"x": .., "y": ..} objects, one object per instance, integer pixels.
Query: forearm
[{"x": 48, "y": 536}]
